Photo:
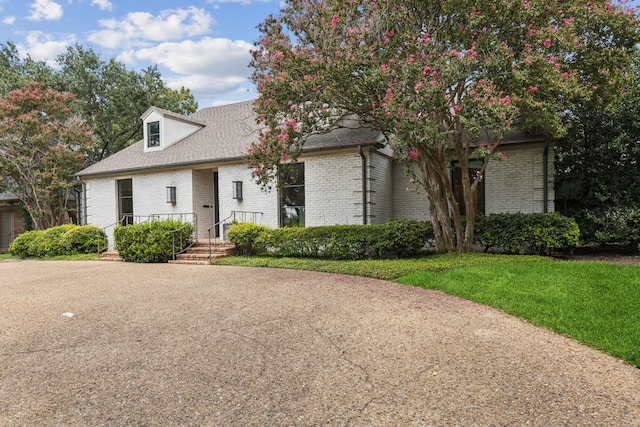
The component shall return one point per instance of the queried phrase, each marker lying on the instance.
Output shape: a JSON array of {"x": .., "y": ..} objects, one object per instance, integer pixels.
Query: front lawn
[{"x": 596, "y": 303}]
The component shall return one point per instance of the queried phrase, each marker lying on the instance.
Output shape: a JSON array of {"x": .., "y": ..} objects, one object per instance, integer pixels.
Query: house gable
[{"x": 162, "y": 128}]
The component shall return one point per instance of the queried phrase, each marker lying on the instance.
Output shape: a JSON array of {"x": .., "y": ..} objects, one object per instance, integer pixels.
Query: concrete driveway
[{"x": 174, "y": 345}]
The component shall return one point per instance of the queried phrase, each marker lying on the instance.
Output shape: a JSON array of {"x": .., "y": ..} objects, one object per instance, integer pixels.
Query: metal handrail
[
  {"x": 105, "y": 241},
  {"x": 194, "y": 235}
]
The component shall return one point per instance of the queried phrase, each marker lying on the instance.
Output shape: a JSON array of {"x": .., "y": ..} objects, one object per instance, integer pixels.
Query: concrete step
[
  {"x": 196, "y": 254},
  {"x": 109, "y": 256}
]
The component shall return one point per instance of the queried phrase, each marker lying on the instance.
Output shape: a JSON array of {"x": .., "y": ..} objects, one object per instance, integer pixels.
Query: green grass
[
  {"x": 596, "y": 303},
  {"x": 79, "y": 257}
]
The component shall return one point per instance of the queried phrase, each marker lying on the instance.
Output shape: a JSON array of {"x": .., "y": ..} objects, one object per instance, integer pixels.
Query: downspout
[
  {"x": 364, "y": 184},
  {"x": 83, "y": 200},
  {"x": 545, "y": 171}
]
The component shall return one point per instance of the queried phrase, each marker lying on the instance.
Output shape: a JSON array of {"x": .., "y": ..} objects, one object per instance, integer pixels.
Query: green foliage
[
  {"x": 597, "y": 168},
  {"x": 395, "y": 239},
  {"x": 152, "y": 241},
  {"x": 523, "y": 233},
  {"x": 404, "y": 238},
  {"x": 612, "y": 226},
  {"x": 26, "y": 244},
  {"x": 244, "y": 236},
  {"x": 62, "y": 240},
  {"x": 51, "y": 243},
  {"x": 83, "y": 239}
]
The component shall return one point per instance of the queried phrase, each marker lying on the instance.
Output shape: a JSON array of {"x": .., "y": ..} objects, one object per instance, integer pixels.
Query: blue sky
[{"x": 200, "y": 44}]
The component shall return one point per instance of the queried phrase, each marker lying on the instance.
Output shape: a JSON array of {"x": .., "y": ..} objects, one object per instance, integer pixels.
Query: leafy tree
[
  {"x": 112, "y": 97},
  {"x": 41, "y": 144},
  {"x": 597, "y": 166},
  {"x": 437, "y": 78},
  {"x": 16, "y": 72}
]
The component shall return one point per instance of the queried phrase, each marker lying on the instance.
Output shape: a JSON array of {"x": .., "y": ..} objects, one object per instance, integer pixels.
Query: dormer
[{"x": 162, "y": 128}]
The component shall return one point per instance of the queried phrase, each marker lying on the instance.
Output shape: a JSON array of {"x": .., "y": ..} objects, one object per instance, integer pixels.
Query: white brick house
[{"x": 193, "y": 166}]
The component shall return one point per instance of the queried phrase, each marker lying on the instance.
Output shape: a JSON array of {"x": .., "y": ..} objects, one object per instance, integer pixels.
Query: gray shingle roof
[{"x": 229, "y": 130}]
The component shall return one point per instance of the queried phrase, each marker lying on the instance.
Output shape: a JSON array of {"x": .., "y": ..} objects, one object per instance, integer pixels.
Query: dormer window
[{"x": 153, "y": 134}]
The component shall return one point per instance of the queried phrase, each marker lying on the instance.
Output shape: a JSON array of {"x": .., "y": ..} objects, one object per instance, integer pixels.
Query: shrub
[
  {"x": 26, "y": 244},
  {"x": 51, "y": 243},
  {"x": 83, "y": 239},
  {"x": 404, "y": 238},
  {"x": 152, "y": 241},
  {"x": 609, "y": 226},
  {"x": 244, "y": 236},
  {"x": 66, "y": 239},
  {"x": 540, "y": 233},
  {"x": 347, "y": 242}
]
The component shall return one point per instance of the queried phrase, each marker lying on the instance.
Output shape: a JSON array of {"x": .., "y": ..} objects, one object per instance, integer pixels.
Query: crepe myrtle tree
[
  {"x": 42, "y": 143},
  {"x": 442, "y": 79}
]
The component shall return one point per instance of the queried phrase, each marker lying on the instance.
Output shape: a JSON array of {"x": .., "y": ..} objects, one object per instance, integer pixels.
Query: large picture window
[
  {"x": 292, "y": 211},
  {"x": 125, "y": 201},
  {"x": 456, "y": 180},
  {"x": 153, "y": 134}
]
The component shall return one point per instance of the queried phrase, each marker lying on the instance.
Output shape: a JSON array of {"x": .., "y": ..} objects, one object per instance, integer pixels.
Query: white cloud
[
  {"x": 44, "y": 47},
  {"x": 139, "y": 28},
  {"x": 102, "y": 4},
  {"x": 9, "y": 20},
  {"x": 47, "y": 10},
  {"x": 210, "y": 56},
  {"x": 209, "y": 67}
]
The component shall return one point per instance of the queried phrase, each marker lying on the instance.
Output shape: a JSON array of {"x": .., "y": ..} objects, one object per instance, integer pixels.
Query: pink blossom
[
  {"x": 418, "y": 86},
  {"x": 283, "y": 137},
  {"x": 413, "y": 155},
  {"x": 547, "y": 43},
  {"x": 335, "y": 21},
  {"x": 532, "y": 88}
]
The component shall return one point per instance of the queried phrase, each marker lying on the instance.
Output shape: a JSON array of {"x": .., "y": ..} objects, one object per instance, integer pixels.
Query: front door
[{"x": 6, "y": 230}]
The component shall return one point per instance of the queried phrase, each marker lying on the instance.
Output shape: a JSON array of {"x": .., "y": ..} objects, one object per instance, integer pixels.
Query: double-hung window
[{"x": 153, "y": 134}]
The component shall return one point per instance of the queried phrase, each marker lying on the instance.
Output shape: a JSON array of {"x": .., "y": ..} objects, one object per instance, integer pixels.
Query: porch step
[
  {"x": 199, "y": 253},
  {"x": 196, "y": 254},
  {"x": 109, "y": 256}
]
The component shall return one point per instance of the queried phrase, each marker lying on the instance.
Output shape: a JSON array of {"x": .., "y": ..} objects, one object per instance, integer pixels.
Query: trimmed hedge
[
  {"x": 244, "y": 236},
  {"x": 394, "y": 239},
  {"x": 540, "y": 233},
  {"x": 65, "y": 239},
  {"x": 151, "y": 242}
]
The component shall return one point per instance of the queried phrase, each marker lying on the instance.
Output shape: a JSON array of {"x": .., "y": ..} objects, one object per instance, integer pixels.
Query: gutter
[
  {"x": 364, "y": 184},
  {"x": 545, "y": 172},
  {"x": 83, "y": 199}
]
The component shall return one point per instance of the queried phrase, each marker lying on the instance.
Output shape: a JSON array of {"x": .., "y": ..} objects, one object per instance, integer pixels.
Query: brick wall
[
  {"x": 333, "y": 188},
  {"x": 380, "y": 187},
  {"x": 516, "y": 185},
  {"x": 409, "y": 200}
]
